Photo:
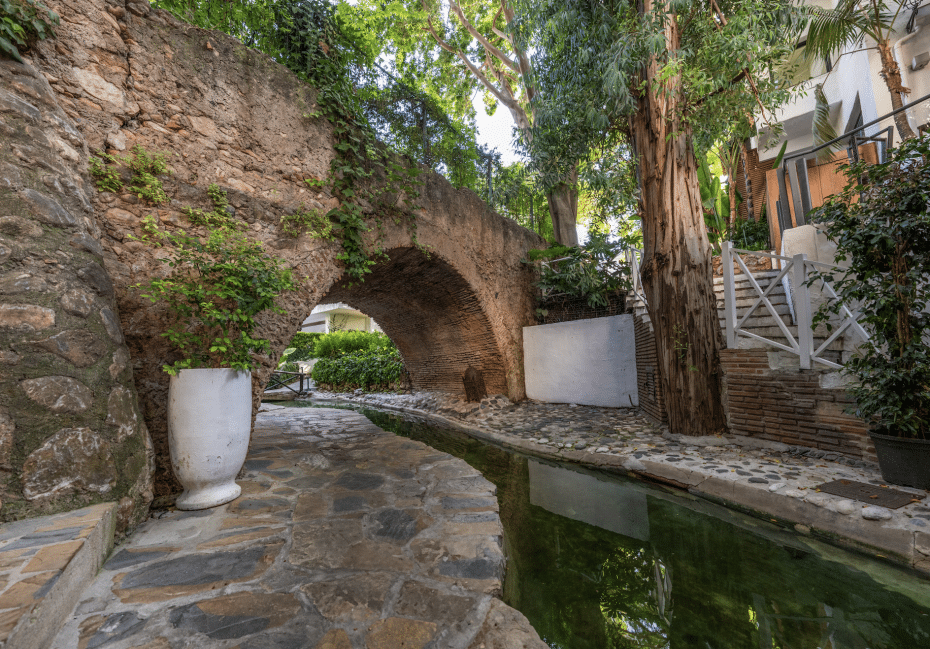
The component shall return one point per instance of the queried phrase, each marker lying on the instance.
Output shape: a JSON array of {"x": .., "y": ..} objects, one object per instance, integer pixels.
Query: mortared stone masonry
[{"x": 81, "y": 386}]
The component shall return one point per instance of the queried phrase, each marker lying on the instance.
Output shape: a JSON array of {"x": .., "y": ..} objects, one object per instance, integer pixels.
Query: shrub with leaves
[
  {"x": 369, "y": 369},
  {"x": 347, "y": 342},
  {"x": 588, "y": 272},
  {"x": 299, "y": 349},
  {"x": 23, "y": 22},
  {"x": 216, "y": 288},
  {"x": 881, "y": 225}
]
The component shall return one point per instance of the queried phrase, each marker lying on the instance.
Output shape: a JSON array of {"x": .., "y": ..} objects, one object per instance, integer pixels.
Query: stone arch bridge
[{"x": 121, "y": 75}]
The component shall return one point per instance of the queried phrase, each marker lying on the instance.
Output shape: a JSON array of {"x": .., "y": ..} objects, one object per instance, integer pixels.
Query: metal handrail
[{"x": 794, "y": 178}]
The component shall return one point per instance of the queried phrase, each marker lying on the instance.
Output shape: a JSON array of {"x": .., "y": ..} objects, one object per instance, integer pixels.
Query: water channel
[{"x": 601, "y": 562}]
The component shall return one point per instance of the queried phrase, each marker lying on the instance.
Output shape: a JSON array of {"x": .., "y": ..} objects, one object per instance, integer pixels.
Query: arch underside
[{"x": 433, "y": 316}]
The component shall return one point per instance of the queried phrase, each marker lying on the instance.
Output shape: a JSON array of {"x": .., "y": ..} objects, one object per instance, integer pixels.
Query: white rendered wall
[{"x": 588, "y": 362}]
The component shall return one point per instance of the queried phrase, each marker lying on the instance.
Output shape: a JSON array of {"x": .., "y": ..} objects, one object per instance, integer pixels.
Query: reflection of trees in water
[
  {"x": 636, "y": 600},
  {"x": 698, "y": 583}
]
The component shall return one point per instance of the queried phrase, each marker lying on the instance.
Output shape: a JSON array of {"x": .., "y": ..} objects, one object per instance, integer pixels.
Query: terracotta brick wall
[
  {"x": 651, "y": 399},
  {"x": 790, "y": 406}
]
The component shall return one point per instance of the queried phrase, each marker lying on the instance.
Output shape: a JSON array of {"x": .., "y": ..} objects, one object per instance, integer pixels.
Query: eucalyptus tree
[
  {"x": 670, "y": 77},
  {"x": 479, "y": 34},
  {"x": 832, "y": 31}
]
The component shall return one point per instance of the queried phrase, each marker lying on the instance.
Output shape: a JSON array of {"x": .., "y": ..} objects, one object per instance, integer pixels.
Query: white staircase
[{"x": 761, "y": 322}]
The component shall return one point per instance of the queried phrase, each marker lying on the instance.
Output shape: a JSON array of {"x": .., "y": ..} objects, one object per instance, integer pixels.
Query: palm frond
[
  {"x": 822, "y": 129},
  {"x": 831, "y": 30}
]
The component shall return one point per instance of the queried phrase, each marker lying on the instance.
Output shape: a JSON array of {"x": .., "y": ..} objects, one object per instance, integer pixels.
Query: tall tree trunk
[
  {"x": 676, "y": 274},
  {"x": 563, "y": 208},
  {"x": 891, "y": 73}
]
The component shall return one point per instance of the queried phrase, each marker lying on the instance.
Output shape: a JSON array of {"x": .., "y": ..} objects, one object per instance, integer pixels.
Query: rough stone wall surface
[
  {"x": 797, "y": 407},
  {"x": 71, "y": 432},
  {"x": 129, "y": 75}
]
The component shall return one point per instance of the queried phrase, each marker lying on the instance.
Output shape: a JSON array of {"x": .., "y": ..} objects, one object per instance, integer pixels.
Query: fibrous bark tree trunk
[
  {"x": 676, "y": 269},
  {"x": 891, "y": 73}
]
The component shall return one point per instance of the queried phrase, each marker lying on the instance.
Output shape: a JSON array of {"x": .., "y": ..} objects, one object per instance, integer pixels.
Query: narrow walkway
[
  {"x": 769, "y": 479},
  {"x": 345, "y": 536}
]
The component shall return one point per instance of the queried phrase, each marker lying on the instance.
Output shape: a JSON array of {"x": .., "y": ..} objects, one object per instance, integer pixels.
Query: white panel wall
[{"x": 588, "y": 362}]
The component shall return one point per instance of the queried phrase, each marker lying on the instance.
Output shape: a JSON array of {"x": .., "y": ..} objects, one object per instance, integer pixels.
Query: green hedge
[
  {"x": 368, "y": 369},
  {"x": 347, "y": 342},
  {"x": 304, "y": 344}
]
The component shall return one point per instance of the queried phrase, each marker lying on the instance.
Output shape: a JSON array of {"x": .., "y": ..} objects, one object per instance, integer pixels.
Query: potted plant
[
  {"x": 216, "y": 287},
  {"x": 881, "y": 226}
]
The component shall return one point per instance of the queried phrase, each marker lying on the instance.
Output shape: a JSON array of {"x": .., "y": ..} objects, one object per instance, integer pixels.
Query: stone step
[
  {"x": 741, "y": 277},
  {"x": 51, "y": 560},
  {"x": 781, "y": 309}
]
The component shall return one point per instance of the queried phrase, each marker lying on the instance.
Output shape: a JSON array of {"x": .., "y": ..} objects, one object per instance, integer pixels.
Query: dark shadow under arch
[{"x": 432, "y": 315}]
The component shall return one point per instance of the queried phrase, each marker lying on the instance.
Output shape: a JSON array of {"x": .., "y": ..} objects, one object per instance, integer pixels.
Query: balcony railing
[{"x": 794, "y": 201}]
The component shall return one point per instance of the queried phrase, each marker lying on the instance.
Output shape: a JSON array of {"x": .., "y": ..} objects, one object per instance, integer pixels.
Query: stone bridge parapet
[{"x": 121, "y": 74}]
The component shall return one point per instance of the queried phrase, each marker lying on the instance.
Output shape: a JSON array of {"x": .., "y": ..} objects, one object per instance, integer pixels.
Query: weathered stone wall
[
  {"x": 128, "y": 75},
  {"x": 70, "y": 429}
]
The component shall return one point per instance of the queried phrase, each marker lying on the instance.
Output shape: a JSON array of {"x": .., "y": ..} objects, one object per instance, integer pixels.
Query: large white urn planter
[{"x": 209, "y": 422}]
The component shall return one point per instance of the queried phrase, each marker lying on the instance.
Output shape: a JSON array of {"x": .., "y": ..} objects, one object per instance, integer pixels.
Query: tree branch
[
  {"x": 478, "y": 36},
  {"x": 509, "y": 102}
]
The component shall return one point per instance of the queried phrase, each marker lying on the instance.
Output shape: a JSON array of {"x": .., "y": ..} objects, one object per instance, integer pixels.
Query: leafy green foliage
[
  {"x": 304, "y": 344},
  {"x": 881, "y": 227},
  {"x": 21, "y": 23},
  {"x": 369, "y": 369},
  {"x": 144, "y": 168},
  {"x": 313, "y": 223},
  {"x": 588, "y": 272},
  {"x": 214, "y": 292},
  {"x": 219, "y": 216},
  {"x": 106, "y": 178},
  {"x": 750, "y": 235},
  {"x": 347, "y": 342}
]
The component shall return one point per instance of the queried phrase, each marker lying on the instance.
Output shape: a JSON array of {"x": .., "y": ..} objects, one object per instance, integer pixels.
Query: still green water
[{"x": 598, "y": 562}]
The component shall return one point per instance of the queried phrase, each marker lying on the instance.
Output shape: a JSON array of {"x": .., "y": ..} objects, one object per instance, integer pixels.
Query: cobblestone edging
[{"x": 767, "y": 479}]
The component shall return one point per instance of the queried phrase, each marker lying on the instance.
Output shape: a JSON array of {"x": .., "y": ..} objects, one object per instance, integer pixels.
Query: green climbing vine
[
  {"x": 144, "y": 168},
  {"x": 355, "y": 167}
]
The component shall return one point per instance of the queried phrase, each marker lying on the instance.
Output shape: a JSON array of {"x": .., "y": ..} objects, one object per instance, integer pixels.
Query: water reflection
[{"x": 600, "y": 563}]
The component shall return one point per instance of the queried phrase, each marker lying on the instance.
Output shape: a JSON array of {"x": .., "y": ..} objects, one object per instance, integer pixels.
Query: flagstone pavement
[{"x": 345, "y": 537}]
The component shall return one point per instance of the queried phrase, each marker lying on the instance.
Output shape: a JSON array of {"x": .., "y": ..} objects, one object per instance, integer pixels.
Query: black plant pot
[{"x": 903, "y": 461}]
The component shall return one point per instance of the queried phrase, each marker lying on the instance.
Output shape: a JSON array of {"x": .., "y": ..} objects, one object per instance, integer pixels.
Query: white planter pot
[{"x": 209, "y": 422}]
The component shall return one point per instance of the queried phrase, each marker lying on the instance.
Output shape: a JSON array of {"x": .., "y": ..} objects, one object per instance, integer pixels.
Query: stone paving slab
[
  {"x": 768, "y": 479},
  {"x": 45, "y": 563},
  {"x": 341, "y": 539}
]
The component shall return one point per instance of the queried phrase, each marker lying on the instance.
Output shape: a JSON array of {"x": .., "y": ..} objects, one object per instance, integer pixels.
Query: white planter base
[
  {"x": 209, "y": 423},
  {"x": 208, "y": 496}
]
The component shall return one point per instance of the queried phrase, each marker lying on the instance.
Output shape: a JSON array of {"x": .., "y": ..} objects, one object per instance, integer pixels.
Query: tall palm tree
[{"x": 832, "y": 30}]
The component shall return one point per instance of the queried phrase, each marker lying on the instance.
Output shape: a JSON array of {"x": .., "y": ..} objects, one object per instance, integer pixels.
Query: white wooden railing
[
  {"x": 634, "y": 259},
  {"x": 796, "y": 270}
]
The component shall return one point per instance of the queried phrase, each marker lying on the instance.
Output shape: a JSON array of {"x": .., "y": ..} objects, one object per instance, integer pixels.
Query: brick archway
[{"x": 433, "y": 316}]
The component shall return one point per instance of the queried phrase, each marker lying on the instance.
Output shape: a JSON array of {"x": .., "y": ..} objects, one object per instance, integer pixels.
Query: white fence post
[
  {"x": 802, "y": 307},
  {"x": 729, "y": 293}
]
